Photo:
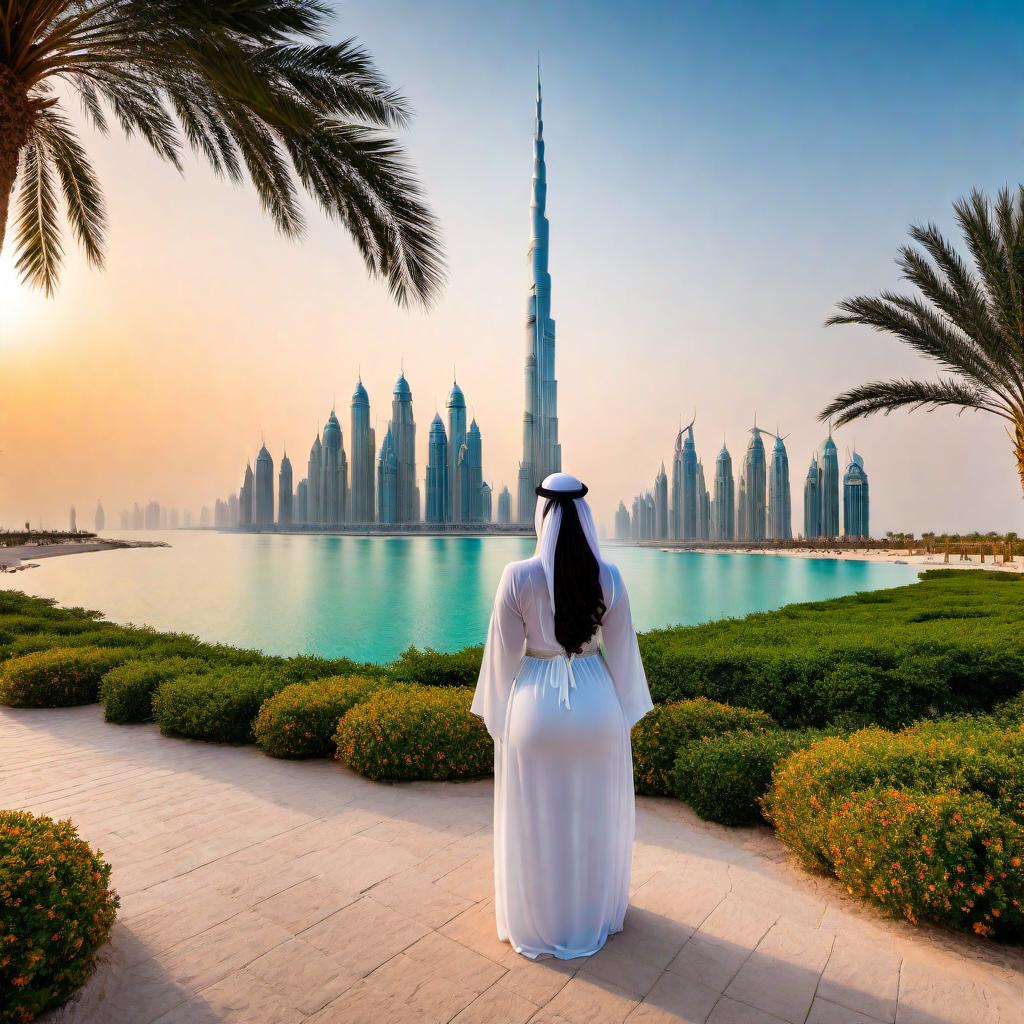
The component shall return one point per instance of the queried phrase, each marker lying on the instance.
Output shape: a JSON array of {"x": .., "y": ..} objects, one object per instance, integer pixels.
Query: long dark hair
[{"x": 579, "y": 599}]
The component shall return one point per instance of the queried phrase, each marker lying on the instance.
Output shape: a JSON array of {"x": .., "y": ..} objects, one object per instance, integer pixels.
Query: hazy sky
[{"x": 720, "y": 174}]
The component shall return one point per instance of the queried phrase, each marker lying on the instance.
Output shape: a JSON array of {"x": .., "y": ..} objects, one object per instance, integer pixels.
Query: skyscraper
[
  {"x": 812, "y": 501},
  {"x": 456, "y": 405},
  {"x": 660, "y": 504},
  {"x": 72, "y": 521},
  {"x": 622, "y": 527},
  {"x": 724, "y": 525},
  {"x": 301, "y": 510},
  {"x": 754, "y": 488},
  {"x": 313, "y": 470},
  {"x": 245, "y": 499},
  {"x": 387, "y": 481},
  {"x": 437, "y": 505},
  {"x": 333, "y": 474},
  {"x": 263, "y": 508},
  {"x": 542, "y": 454},
  {"x": 361, "y": 506},
  {"x": 403, "y": 433},
  {"x": 473, "y": 477},
  {"x": 675, "y": 515},
  {"x": 689, "y": 515},
  {"x": 485, "y": 502},
  {"x": 285, "y": 499},
  {"x": 856, "y": 503},
  {"x": 101, "y": 517},
  {"x": 505, "y": 506},
  {"x": 233, "y": 513},
  {"x": 703, "y": 505},
  {"x": 826, "y": 472},
  {"x": 780, "y": 519}
]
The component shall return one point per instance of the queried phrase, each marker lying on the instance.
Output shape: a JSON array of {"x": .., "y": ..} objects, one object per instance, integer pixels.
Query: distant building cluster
[
  {"x": 374, "y": 486},
  {"x": 757, "y": 507},
  {"x": 152, "y": 516}
]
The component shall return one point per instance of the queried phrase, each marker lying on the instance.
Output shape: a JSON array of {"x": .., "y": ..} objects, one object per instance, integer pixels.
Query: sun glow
[{"x": 16, "y": 301}]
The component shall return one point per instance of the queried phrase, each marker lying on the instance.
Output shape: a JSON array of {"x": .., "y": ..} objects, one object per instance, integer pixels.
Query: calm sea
[{"x": 368, "y": 598}]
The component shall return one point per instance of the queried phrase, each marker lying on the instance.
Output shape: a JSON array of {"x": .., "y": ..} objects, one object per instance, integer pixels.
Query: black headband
[{"x": 543, "y": 492}]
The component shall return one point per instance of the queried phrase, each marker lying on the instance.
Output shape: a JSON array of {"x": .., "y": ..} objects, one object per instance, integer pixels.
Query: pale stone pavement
[{"x": 269, "y": 892}]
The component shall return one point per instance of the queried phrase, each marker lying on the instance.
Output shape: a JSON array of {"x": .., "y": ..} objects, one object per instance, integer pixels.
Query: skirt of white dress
[{"x": 564, "y": 812}]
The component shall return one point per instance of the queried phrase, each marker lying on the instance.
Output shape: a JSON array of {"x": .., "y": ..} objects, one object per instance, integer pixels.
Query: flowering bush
[
  {"x": 56, "y": 678},
  {"x": 437, "y": 668},
  {"x": 659, "y": 734},
  {"x": 929, "y": 822},
  {"x": 126, "y": 692},
  {"x": 301, "y": 720},
  {"x": 219, "y": 706},
  {"x": 415, "y": 732},
  {"x": 724, "y": 777},
  {"x": 56, "y": 910}
]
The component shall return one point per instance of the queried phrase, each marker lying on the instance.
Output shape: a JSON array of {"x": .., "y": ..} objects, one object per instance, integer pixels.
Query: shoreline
[
  {"x": 22, "y": 556},
  {"x": 877, "y": 555}
]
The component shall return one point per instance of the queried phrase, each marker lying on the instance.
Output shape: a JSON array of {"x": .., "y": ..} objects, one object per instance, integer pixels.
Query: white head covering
[{"x": 547, "y": 526}]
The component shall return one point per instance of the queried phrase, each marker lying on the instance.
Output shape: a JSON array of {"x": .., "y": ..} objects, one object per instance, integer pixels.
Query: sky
[{"x": 720, "y": 175}]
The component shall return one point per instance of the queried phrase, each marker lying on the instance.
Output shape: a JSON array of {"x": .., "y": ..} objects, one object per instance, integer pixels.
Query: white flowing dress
[{"x": 563, "y": 772}]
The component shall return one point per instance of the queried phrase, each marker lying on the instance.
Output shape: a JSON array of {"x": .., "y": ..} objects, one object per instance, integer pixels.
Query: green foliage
[
  {"x": 126, "y": 692},
  {"x": 723, "y": 778},
  {"x": 56, "y": 909},
  {"x": 415, "y": 732},
  {"x": 659, "y": 734},
  {"x": 437, "y": 668},
  {"x": 868, "y": 658},
  {"x": 220, "y": 706},
  {"x": 57, "y": 678},
  {"x": 301, "y": 720},
  {"x": 928, "y": 821}
]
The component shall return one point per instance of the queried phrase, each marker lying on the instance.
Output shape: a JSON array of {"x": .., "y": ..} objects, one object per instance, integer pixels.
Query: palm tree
[
  {"x": 969, "y": 320},
  {"x": 252, "y": 85}
]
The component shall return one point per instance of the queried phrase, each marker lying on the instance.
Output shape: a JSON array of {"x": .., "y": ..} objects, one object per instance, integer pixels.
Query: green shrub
[
  {"x": 56, "y": 909},
  {"x": 415, "y": 732},
  {"x": 928, "y": 821},
  {"x": 57, "y": 678},
  {"x": 304, "y": 668},
  {"x": 126, "y": 692},
  {"x": 301, "y": 720},
  {"x": 437, "y": 668},
  {"x": 659, "y": 734},
  {"x": 219, "y": 706},
  {"x": 723, "y": 778}
]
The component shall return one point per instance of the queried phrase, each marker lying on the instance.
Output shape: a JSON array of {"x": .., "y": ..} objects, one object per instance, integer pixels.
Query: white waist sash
[{"x": 566, "y": 678}]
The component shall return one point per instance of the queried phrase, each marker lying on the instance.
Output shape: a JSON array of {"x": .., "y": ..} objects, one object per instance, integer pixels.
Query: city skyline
[{"x": 684, "y": 275}]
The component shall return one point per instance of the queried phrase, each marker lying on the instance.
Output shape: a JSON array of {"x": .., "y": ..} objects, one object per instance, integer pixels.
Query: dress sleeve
[
  {"x": 622, "y": 654},
  {"x": 506, "y": 643}
]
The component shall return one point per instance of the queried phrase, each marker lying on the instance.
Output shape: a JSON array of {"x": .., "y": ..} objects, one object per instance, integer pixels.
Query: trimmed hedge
[
  {"x": 219, "y": 706},
  {"x": 660, "y": 733},
  {"x": 416, "y": 732},
  {"x": 57, "y": 678},
  {"x": 126, "y": 692},
  {"x": 895, "y": 814},
  {"x": 56, "y": 909},
  {"x": 301, "y": 720},
  {"x": 723, "y": 778},
  {"x": 437, "y": 668}
]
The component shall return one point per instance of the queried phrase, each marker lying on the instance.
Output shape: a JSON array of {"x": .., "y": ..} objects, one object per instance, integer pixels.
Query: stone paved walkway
[{"x": 270, "y": 892}]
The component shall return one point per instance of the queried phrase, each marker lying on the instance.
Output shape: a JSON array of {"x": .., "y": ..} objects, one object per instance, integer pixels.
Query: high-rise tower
[
  {"x": 753, "y": 488},
  {"x": 313, "y": 467},
  {"x": 436, "y": 510},
  {"x": 333, "y": 474},
  {"x": 285, "y": 496},
  {"x": 403, "y": 434},
  {"x": 361, "y": 506},
  {"x": 542, "y": 454},
  {"x": 780, "y": 519},
  {"x": 454, "y": 512},
  {"x": 263, "y": 502},
  {"x": 855, "y": 499},
  {"x": 660, "y": 505},
  {"x": 724, "y": 525}
]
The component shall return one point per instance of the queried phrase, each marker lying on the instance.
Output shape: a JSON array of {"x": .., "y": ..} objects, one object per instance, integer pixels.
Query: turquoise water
[{"x": 368, "y": 598}]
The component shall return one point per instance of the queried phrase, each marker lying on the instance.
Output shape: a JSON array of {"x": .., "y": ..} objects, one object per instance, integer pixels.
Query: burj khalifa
[{"x": 542, "y": 454}]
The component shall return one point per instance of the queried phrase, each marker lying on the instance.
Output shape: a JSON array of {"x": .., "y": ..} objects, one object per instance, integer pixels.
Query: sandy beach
[
  {"x": 932, "y": 561},
  {"x": 23, "y": 556}
]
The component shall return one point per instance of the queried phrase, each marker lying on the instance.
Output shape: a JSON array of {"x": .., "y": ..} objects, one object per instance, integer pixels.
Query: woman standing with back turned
[{"x": 560, "y": 687}]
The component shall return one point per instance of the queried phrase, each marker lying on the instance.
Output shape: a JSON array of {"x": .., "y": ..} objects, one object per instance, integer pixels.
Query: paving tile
[
  {"x": 675, "y": 1000},
  {"x": 782, "y": 974},
  {"x": 304, "y": 977},
  {"x": 862, "y": 978},
  {"x": 930, "y": 992},
  {"x": 586, "y": 1001},
  {"x": 496, "y": 1006},
  {"x": 539, "y": 980},
  {"x": 476, "y": 929},
  {"x": 301, "y": 906},
  {"x": 824, "y": 1012},
  {"x": 363, "y": 935},
  {"x": 473, "y": 880},
  {"x": 237, "y": 999},
  {"x": 455, "y": 962},
  {"x": 425, "y": 901},
  {"x": 617, "y": 965},
  {"x": 435, "y": 997},
  {"x": 729, "y": 1011}
]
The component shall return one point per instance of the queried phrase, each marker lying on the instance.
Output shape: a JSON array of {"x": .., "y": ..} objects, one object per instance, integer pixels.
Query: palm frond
[
  {"x": 83, "y": 197},
  {"x": 891, "y": 395},
  {"x": 37, "y": 229}
]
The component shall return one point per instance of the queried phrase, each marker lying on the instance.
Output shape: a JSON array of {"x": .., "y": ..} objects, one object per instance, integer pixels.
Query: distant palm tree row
[
  {"x": 968, "y": 320},
  {"x": 251, "y": 85}
]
